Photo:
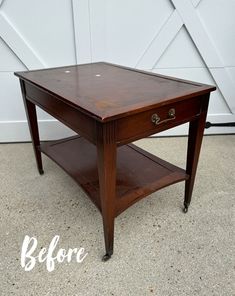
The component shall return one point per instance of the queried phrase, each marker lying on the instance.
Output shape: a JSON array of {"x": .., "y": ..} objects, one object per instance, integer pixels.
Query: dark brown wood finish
[
  {"x": 140, "y": 125},
  {"x": 31, "y": 114},
  {"x": 138, "y": 173},
  {"x": 76, "y": 120},
  {"x": 196, "y": 129},
  {"x": 106, "y": 161},
  {"x": 110, "y": 106},
  {"x": 108, "y": 92}
]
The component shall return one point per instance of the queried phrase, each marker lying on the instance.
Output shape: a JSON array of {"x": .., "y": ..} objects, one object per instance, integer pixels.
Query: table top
[{"x": 109, "y": 91}]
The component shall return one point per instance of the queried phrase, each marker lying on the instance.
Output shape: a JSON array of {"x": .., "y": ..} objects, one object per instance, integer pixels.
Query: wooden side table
[{"x": 110, "y": 106}]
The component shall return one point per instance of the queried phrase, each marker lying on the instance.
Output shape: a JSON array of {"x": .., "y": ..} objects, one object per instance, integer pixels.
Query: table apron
[
  {"x": 71, "y": 117},
  {"x": 128, "y": 129}
]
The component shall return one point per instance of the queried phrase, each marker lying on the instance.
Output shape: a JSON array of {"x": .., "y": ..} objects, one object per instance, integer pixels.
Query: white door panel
[
  {"x": 217, "y": 103},
  {"x": 231, "y": 71},
  {"x": 191, "y": 39},
  {"x": 8, "y": 60},
  {"x": 219, "y": 21},
  {"x": 47, "y": 26},
  {"x": 180, "y": 54},
  {"x": 11, "y": 103},
  {"x": 131, "y": 25}
]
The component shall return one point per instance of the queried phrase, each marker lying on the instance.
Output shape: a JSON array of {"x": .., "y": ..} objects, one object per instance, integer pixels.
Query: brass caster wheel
[
  {"x": 41, "y": 172},
  {"x": 185, "y": 210},
  {"x": 186, "y": 206},
  {"x": 106, "y": 257}
]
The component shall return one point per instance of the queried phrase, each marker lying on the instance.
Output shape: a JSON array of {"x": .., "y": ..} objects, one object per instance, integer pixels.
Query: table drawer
[{"x": 156, "y": 120}]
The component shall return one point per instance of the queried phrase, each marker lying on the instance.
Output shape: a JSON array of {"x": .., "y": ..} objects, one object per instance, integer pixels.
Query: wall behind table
[{"x": 190, "y": 39}]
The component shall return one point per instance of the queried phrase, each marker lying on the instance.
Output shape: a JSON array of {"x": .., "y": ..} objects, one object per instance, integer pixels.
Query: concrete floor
[{"x": 158, "y": 249}]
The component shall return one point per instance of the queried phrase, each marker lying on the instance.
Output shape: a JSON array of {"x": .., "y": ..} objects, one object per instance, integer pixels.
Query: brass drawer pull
[{"x": 157, "y": 120}]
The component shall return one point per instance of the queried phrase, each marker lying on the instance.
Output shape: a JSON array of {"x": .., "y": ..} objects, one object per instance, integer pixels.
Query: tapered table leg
[
  {"x": 31, "y": 114},
  {"x": 196, "y": 129},
  {"x": 106, "y": 153}
]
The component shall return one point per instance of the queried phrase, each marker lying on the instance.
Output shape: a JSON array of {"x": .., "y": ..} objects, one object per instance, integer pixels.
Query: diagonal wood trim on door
[
  {"x": 13, "y": 38},
  {"x": 160, "y": 42},
  {"x": 207, "y": 49},
  {"x": 195, "y": 2},
  {"x": 185, "y": 14}
]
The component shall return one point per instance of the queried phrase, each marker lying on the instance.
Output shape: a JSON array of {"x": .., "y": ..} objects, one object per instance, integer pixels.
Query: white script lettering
[{"x": 28, "y": 261}]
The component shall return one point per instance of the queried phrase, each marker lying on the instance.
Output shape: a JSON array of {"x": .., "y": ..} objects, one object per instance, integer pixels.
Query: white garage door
[{"x": 190, "y": 39}]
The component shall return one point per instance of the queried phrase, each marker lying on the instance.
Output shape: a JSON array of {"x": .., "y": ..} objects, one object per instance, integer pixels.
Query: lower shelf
[{"x": 139, "y": 173}]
